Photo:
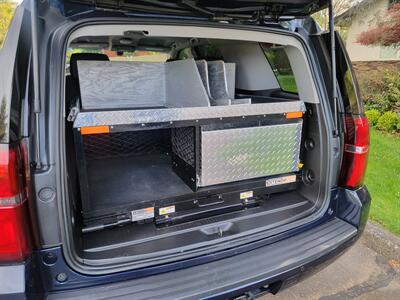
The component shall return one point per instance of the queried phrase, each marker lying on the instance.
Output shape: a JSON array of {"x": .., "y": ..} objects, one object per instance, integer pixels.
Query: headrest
[{"x": 73, "y": 66}]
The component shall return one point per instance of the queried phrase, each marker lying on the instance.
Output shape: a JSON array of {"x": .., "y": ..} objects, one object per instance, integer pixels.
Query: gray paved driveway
[{"x": 361, "y": 273}]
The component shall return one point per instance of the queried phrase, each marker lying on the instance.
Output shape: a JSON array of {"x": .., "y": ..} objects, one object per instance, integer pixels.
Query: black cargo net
[{"x": 108, "y": 145}]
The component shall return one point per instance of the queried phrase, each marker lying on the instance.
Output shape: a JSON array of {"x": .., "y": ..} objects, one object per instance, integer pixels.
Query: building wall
[{"x": 364, "y": 18}]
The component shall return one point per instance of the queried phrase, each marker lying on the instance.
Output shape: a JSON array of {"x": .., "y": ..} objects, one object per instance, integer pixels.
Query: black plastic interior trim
[{"x": 137, "y": 242}]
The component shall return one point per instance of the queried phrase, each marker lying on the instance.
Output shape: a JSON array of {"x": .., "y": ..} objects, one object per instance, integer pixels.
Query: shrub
[
  {"x": 373, "y": 116},
  {"x": 381, "y": 90},
  {"x": 388, "y": 121}
]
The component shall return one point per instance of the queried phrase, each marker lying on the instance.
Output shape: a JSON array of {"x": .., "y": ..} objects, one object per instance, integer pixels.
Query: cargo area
[{"x": 177, "y": 146}]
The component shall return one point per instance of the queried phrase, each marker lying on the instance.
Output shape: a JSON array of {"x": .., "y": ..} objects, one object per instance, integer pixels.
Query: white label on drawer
[
  {"x": 166, "y": 210},
  {"x": 280, "y": 180},
  {"x": 142, "y": 214},
  {"x": 246, "y": 195}
]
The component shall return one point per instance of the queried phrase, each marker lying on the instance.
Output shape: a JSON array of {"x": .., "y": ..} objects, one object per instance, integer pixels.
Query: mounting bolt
[
  {"x": 50, "y": 258},
  {"x": 309, "y": 144},
  {"x": 62, "y": 277}
]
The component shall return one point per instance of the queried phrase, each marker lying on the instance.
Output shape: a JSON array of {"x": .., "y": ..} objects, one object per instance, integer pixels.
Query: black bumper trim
[{"x": 233, "y": 273}]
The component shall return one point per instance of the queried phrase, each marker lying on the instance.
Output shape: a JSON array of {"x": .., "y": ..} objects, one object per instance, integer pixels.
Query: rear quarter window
[
  {"x": 14, "y": 61},
  {"x": 281, "y": 67},
  {"x": 347, "y": 80}
]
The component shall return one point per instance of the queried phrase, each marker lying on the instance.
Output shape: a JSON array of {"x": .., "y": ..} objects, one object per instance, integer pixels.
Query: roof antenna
[
  {"x": 333, "y": 66},
  {"x": 36, "y": 90}
]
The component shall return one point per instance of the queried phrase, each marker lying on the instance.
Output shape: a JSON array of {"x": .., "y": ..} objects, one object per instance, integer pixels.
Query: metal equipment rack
[{"x": 251, "y": 133}]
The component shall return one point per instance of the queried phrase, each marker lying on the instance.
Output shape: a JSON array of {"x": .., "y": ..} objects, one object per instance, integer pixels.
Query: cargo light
[
  {"x": 14, "y": 237},
  {"x": 356, "y": 150}
]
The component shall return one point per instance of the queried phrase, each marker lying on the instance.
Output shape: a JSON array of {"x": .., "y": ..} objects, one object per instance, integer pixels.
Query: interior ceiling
[{"x": 131, "y": 42}]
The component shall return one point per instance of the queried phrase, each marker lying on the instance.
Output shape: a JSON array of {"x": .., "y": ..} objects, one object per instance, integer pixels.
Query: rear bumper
[
  {"x": 235, "y": 275},
  {"x": 277, "y": 264}
]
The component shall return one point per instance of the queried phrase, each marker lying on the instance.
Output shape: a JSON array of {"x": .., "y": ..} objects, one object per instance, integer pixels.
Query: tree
[
  {"x": 386, "y": 33},
  {"x": 7, "y": 8},
  {"x": 322, "y": 17}
]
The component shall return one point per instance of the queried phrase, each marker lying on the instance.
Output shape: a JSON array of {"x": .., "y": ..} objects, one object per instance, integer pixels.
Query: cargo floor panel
[
  {"x": 142, "y": 240},
  {"x": 119, "y": 181}
]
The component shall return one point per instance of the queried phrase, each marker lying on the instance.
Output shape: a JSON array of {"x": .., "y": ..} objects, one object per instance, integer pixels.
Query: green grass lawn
[
  {"x": 287, "y": 83},
  {"x": 383, "y": 180}
]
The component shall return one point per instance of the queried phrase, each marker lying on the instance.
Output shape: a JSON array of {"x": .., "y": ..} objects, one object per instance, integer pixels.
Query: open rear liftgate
[{"x": 231, "y": 152}]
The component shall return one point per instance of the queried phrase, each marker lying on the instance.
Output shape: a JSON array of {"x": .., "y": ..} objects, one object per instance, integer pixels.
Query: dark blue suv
[{"x": 180, "y": 149}]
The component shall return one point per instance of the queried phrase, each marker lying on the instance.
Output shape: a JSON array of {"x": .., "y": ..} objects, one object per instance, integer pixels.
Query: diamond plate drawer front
[{"x": 243, "y": 153}]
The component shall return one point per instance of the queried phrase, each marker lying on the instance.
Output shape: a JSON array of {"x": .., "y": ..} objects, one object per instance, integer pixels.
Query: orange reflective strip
[
  {"x": 294, "y": 115},
  {"x": 95, "y": 129}
]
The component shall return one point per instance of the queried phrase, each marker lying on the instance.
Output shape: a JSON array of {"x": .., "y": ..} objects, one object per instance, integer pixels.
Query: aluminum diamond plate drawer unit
[{"x": 243, "y": 153}]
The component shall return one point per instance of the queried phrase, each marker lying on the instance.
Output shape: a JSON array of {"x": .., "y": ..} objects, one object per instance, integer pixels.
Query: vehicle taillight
[
  {"x": 356, "y": 151},
  {"x": 14, "y": 237}
]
